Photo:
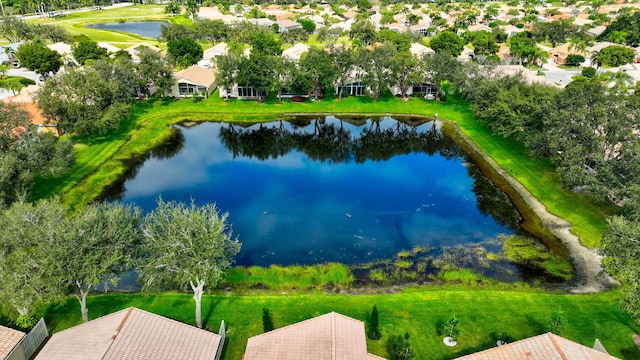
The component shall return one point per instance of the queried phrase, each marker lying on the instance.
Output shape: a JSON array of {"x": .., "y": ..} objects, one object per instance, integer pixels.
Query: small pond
[
  {"x": 318, "y": 190},
  {"x": 150, "y": 29}
]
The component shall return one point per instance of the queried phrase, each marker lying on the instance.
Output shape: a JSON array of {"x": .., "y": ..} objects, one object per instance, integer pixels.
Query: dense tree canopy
[
  {"x": 39, "y": 58},
  {"x": 184, "y": 51},
  {"x": 88, "y": 50},
  {"x": 447, "y": 43},
  {"x": 627, "y": 25}
]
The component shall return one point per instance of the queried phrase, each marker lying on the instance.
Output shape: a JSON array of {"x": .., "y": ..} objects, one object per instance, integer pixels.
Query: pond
[
  {"x": 318, "y": 190},
  {"x": 150, "y": 29}
]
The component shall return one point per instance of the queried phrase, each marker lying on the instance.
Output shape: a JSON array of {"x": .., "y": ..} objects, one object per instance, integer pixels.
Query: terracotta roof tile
[
  {"x": 542, "y": 347},
  {"x": 9, "y": 338},
  {"x": 131, "y": 334},
  {"x": 328, "y": 337}
]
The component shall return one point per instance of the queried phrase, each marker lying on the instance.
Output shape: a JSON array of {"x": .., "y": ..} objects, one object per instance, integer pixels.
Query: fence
[
  {"x": 223, "y": 334},
  {"x": 31, "y": 342}
]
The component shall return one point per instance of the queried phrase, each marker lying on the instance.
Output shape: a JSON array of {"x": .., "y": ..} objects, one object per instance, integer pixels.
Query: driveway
[{"x": 557, "y": 75}]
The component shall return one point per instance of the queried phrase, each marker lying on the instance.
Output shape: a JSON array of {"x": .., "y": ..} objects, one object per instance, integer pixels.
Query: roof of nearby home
[
  {"x": 9, "y": 338},
  {"x": 295, "y": 51},
  {"x": 286, "y": 23},
  {"x": 216, "y": 50},
  {"x": 61, "y": 48},
  {"x": 109, "y": 47},
  {"x": 131, "y": 334},
  {"x": 327, "y": 337},
  {"x": 197, "y": 74},
  {"x": 135, "y": 49},
  {"x": 26, "y": 101},
  {"x": 479, "y": 27},
  {"x": 597, "y": 30},
  {"x": 419, "y": 49},
  {"x": 542, "y": 347}
]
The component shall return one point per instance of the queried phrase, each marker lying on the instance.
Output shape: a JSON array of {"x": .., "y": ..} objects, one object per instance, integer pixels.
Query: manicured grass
[
  {"x": 483, "y": 314},
  {"x": 102, "y": 160}
]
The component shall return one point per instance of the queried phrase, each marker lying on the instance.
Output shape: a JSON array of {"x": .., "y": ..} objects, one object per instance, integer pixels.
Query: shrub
[
  {"x": 267, "y": 322},
  {"x": 399, "y": 348},
  {"x": 574, "y": 60},
  {"x": 589, "y": 72},
  {"x": 450, "y": 327},
  {"x": 374, "y": 329}
]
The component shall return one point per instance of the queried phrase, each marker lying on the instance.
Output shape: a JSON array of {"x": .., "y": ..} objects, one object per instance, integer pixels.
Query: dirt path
[{"x": 589, "y": 275}]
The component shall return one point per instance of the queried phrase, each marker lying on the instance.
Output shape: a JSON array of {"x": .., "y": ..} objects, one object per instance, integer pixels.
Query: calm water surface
[
  {"x": 324, "y": 190},
  {"x": 150, "y": 29}
]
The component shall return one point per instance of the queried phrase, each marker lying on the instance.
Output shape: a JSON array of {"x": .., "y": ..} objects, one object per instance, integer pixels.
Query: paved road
[
  {"x": 559, "y": 76},
  {"x": 117, "y": 5}
]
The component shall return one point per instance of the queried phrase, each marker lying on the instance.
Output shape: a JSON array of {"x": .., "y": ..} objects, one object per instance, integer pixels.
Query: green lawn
[
  {"x": 483, "y": 314},
  {"x": 102, "y": 160}
]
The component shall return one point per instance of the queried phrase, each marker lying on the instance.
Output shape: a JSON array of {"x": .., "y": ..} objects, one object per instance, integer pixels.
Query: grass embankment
[
  {"x": 102, "y": 160},
  {"x": 483, "y": 315},
  {"x": 76, "y": 23}
]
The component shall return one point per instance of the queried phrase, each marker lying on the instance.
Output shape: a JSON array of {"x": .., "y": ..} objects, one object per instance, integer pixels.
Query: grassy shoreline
[
  {"x": 101, "y": 161},
  {"x": 483, "y": 312}
]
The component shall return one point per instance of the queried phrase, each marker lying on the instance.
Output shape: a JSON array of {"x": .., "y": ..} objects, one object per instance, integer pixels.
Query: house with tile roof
[
  {"x": 9, "y": 341},
  {"x": 331, "y": 336},
  {"x": 542, "y": 347},
  {"x": 194, "y": 81},
  {"x": 133, "y": 334}
]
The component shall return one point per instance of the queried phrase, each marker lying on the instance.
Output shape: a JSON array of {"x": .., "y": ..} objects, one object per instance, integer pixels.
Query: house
[
  {"x": 110, "y": 48},
  {"x": 63, "y": 49},
  {"x": 134, "y": 51},
  {"x": 286, "y": 25},
  {"x": 295, "y": 52},
  {"x": 16, "y": 345},
  {"x": 542, "y": 347},
  {"x": 8, "y": 54},
  {"x": 330, "y": 336},
  {"x": 479, "y": 27},
  {"x": 467, "y": 54},
  {"x": 511, "y": 30},
  {"x": 133, "y": 334},
  {"x": 420, "y": 51},
  {"x": 9, "y": 341},
  {"x": 597, "y": 31},
  {"x": 26, "y": 101},
  {"x": 559, "y": 53},
  {"x": 212, "y": 53},
  {"x": 193, "y": 81}
]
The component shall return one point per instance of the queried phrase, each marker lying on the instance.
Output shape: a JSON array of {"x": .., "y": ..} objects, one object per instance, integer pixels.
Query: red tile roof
[
  {"x": 9, "y": 338},
  {"x": 328, "y": 337},
  {"x": 131, "y": 334},
  {"x": 542, "y": 347}
]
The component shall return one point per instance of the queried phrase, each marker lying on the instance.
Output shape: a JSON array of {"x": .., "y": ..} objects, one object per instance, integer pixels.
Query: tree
[
  {"x": 308, "y": 25},
  {"x": 25, "y": 256},
  {"x": 267, "y": 322},
  {"x": 88, "y": 50},
  {"x": 405, "y": 71},
  {"x": 266, "y": 43},
  {"x": 192, "y": 7},
  {"x": 210, "y": 30},
  {"x": 621, "y": 250},
  {"x": 524, "y": 48},
  {"x": 184, "y": 51},
  {"x": 171, "y": 31},
  {"x": 450, "y": 327},
  {"x": 77, "y": 101},
  {"x": 614, "y": 56},
  {"x": 375, "y": 64},
  {"x": 483, "y": 42},
  {"x": 374, "y": 329},
  {"x": 186, "y": 245},
  {"x": 574, "y": 60},
  {"x": 447, "y": 43},
  {"x": 172, "y": 8},
  {"x": 344, "y": 62},
  {"x": 37, "y": 57},
  {"x": 228, "y": 69},
  {"x": 294, "y": 36},
  {"x": 96, "y": 246},
  {"x": 556, "y": 32},
  {"x": 12, "y": 117},
  {"x": 154, "y": 71},
  {"x": 626, "y": 23},
  {"x": 399, "y": 348},
  {"x": 121, "y": 72},
  {"x": 364, "y": 31},
  {"x": 319, "y": 65},
  {"x": 557, "y": 322}
]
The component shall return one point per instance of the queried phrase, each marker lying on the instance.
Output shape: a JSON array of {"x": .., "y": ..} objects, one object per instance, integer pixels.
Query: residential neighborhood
[{"x": 319, "y": 180}]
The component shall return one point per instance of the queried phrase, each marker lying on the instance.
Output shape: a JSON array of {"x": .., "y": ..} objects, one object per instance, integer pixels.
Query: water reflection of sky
[{"x": 295, "y": 210}]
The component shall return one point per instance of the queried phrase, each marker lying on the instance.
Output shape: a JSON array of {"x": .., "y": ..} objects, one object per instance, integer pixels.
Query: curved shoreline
[{"x": 589, "y": 276}]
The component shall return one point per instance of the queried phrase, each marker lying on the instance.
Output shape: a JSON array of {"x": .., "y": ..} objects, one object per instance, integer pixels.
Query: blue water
[
  {"x": 289, "y": 209},
  {"x": 150, "y": 29}
]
